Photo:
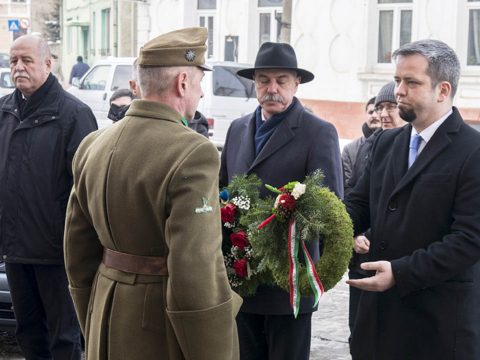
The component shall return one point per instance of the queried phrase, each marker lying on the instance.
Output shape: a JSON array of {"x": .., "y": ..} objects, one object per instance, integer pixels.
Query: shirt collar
[{"x": 428, "y": 132}]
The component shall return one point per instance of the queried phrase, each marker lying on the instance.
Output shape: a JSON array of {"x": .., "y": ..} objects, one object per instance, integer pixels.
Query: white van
[
  {"x": 226, "y": 95},
  {"x": 98, "y": 84}
]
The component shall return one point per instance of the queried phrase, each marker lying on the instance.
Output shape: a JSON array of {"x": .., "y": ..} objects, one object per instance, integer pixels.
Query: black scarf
[{"x": 265, "y": 129}]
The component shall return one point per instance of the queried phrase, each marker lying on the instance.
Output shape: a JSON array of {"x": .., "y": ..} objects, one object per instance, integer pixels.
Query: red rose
[
  {"x": 228, "y": 213},
  {"x": 286, "y": 202},
  {"x": 240, "y": 267},
  {"x": 239, "y": 239}
]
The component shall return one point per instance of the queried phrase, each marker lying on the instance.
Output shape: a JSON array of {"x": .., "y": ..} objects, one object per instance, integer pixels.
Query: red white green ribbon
[
  {"x": 294, "y": 265},
  {"x": 312, "y": 275}
]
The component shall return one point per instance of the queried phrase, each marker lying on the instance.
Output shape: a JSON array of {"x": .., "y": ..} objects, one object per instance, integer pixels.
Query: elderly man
[
  {"x": 41, "y": 126},
  {"x": 420, "y": 194},
  {"x": 143, "y": 238},
  {"x": 280, "y": 142},
  {"x": 386, "y": 107}
]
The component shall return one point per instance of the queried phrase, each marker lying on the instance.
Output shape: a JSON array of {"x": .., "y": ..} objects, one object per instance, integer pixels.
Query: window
[
  {"x": 105, "y": 42},
  {"x": 123, "y": 73},
  {"x": 269, "y": 20},
  {"x": 19, "y": 1},
  {"x": 97, "y": 78},
  {"x": 207, "y": 4},
  {"x": 226, "y": 82},
  {"x": 473, "y": 52},
  {"x": 394, "y": 27},
  {"x": 207, "y": 21}
]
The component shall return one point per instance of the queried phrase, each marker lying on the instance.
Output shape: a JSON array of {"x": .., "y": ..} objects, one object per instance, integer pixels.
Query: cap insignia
[{"x": 190, "y": 55}]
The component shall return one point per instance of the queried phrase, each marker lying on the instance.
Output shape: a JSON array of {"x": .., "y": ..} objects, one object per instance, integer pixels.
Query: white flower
[
  {"x": 298, "y": 190},
  {"x": 242, "y": 202}
]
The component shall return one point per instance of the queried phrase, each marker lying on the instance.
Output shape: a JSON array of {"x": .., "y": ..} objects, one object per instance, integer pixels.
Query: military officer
[{"x": 143, "y": 237}]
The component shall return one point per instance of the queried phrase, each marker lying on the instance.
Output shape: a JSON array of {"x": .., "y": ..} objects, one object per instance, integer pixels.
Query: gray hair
[
  {"x": 443, "y": 63},
  {"x": 157, "y": 79},
  {"x": 135, "y": 70}
]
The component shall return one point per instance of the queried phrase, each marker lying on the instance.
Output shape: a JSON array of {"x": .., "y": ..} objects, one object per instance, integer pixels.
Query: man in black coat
[
  {"x": 280, "y": 142},
  {"x": 41, "y": 126},
  {"x": 420, "y": 194}
]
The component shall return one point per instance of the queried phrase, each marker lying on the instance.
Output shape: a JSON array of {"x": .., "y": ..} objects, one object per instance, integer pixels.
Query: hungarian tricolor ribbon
[{"x": 312, "y": 275}]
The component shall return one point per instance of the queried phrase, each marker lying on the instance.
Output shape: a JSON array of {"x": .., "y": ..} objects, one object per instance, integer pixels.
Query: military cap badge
[{"x": 190, "y": 55}]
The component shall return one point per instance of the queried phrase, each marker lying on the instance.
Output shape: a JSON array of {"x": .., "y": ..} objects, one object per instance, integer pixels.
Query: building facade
[{"x": 347, "y": 44}]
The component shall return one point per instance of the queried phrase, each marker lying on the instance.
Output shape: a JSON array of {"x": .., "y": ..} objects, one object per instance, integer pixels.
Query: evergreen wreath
[
  {"x": 317, "y": 213},
  {"x": 260, "y": 255}
]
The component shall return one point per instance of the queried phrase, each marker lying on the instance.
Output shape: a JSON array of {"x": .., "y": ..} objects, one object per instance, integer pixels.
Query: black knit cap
[{"x": 386, "y": 93}]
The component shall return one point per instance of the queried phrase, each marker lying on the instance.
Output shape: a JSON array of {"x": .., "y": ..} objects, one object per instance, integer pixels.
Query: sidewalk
[{"x": 330, "y": 325}]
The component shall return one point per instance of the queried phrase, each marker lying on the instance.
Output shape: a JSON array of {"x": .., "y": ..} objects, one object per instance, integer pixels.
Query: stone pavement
[{"x": 330, "y": 325}]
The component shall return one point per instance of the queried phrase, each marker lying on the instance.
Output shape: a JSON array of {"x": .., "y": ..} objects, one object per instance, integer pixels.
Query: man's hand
[
  {"x": 383, "y": 279},
  {"x": 361, "y": 244}
]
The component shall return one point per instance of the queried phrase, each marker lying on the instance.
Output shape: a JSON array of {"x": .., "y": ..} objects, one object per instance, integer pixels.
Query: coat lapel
[{"x": 282, "y": 135}]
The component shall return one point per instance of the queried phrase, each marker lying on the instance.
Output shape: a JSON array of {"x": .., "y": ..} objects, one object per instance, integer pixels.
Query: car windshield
[
  {"x": 6, "y": 80},
  {"x": 226, "y": 82}
]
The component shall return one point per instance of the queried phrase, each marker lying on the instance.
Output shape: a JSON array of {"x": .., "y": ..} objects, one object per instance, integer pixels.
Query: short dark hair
[
  {"x": 370, "y": 102},
  {"x": 79, "y": 58},
  {"x": 121, "y": 93},
  {"x": 443, "y": 63}
]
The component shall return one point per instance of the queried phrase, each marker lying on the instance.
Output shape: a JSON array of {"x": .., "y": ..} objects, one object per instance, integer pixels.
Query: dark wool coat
[
  {"x": 301, "y": 144},
  {"x": 426, "y": 221},
  {"x": 35, "y": 172},
  {"x": 148, "y": 186}
]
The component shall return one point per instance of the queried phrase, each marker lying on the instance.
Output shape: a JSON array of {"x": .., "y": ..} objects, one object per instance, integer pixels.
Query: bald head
[{"x": 30, "y": 63}]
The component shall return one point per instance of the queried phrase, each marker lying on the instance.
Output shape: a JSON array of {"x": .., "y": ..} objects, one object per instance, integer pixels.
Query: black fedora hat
[{"x": 276, "y": 56}]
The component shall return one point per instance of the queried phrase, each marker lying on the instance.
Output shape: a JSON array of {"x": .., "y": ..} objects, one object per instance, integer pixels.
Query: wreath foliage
[{"x": 318, "y": 213}]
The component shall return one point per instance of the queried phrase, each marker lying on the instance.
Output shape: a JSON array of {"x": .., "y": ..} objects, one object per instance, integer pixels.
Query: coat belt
[{"x": 135, "y": 264}]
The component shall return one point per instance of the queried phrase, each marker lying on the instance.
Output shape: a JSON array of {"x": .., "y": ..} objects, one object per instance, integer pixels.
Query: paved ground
[
  {"x": 330, "y": 325},
  {"x": 329, "y": 329}
]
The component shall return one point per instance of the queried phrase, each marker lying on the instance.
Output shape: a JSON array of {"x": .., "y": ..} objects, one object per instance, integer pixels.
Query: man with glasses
[
  {"x": 280, "y": 142},
  {"x": 386, "y": 107}
]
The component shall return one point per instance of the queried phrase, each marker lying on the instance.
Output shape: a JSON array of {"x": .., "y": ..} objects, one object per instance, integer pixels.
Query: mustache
[
  {"x": 21, "y": 74},
  {"x": 273, "y": 97}
]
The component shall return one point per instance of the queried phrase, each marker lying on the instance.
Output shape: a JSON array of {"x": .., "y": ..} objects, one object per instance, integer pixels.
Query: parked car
[
  {"x": 6, "y": 83},
  {"x": 4, "y": 60},
  {"x": 7, "y": 317},
  {"x": 97, "y": 86},
  {"x": 226, "y": 96}
]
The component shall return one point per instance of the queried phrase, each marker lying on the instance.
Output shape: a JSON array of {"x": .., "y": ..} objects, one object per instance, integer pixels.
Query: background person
[
  {"x": 145, "y": 265},
  {"x": 280, "y": 142},
  {"x": 349, "y": 153},
  {"x": 78, "y": 70},
  {"x": 41, "y": 126},
  {"x": 119, "y": 104},
  {"x": 420, "y": 195}
]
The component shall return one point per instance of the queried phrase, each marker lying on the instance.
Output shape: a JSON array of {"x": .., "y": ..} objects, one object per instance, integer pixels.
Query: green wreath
[{"x": 318, "y": 213}]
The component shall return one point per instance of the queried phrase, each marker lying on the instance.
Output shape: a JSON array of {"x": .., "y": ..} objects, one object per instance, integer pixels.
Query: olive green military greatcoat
[{"x": 148, "y": 186}]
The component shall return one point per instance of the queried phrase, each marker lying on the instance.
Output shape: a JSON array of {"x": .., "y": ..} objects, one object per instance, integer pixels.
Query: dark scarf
[
  {"x": 265, "y": 129},
  {"x": 30, "y": 105},
  {"x": 367, "y": 131}
]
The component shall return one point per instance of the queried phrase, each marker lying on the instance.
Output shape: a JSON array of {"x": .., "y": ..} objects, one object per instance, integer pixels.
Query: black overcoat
[
  {"x": 426, "y": 221},
  {"x": 301, "y": 144}
]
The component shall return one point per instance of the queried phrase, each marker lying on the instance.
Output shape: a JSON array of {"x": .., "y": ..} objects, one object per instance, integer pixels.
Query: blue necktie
[{"x": 415, "y": 141}]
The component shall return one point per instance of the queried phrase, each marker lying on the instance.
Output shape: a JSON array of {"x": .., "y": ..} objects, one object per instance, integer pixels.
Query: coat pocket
[{"x": 153, "y": 318}]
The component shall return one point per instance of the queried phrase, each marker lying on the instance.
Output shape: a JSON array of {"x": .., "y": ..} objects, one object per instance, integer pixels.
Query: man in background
[
  {"x": 78, "y": 70},
  {"x": 41, "y": 126}
]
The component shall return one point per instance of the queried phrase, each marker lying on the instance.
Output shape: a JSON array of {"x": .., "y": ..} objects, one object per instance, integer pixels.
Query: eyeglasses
[{"x": 388, "y": 108}]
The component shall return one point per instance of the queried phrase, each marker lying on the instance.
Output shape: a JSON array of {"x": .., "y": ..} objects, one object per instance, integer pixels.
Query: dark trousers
[
  {"x": 355, "y": 294},
  {"x": 47, "y": 326},
  {"x": 274, "y": 337}
]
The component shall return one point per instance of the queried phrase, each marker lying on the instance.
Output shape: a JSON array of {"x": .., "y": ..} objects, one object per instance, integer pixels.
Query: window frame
[
  {"x": 274, "y": 11},
  {"x": 469, "y": 6},
  {"x": 397, "y": 9}
]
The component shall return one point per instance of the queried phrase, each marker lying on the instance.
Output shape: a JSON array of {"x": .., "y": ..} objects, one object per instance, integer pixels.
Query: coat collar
[
  {"x": 153, "y": 110},
  {"x": 282, "y": 135},
  {"x": 439, "y": 141}
]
